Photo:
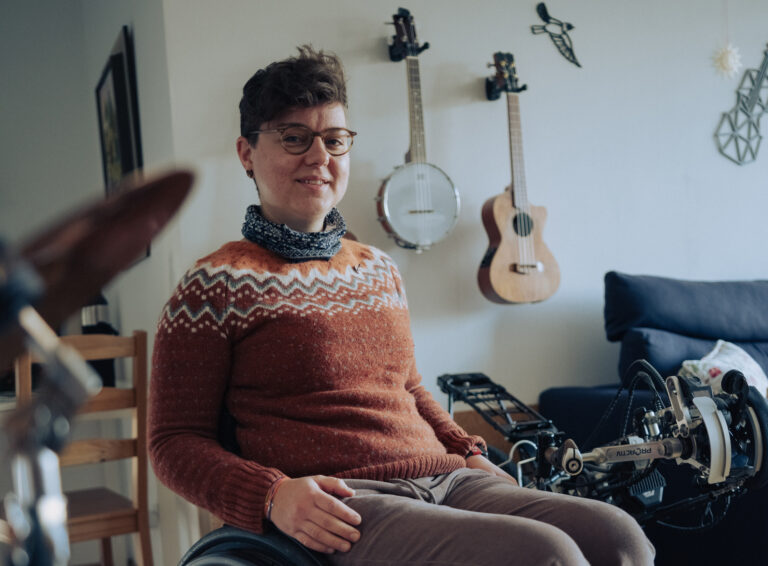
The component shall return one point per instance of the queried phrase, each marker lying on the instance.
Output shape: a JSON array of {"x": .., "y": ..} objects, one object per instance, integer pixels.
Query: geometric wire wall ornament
[{"x": 738, "y": 132}]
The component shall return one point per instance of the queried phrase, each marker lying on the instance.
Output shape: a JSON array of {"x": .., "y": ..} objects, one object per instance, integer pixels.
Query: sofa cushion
[
  {"x": 666, "y": 351},
  {"x": 736, "y": 311}
]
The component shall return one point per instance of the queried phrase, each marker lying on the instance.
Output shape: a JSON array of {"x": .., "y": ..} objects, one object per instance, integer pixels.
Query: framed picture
[{"x": 118, "y": 111}]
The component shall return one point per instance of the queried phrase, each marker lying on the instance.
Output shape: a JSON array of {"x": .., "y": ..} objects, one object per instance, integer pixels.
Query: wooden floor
[{"x": 472, "y": 422}]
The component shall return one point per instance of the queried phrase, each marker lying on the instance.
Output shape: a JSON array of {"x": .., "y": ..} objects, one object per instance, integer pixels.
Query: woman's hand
[
  {"x": 307, "y": 509},
  {"x": 482, "y": 463}
]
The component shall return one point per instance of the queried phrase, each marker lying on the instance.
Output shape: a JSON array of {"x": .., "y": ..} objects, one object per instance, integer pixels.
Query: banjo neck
[
  {"x": 518, "y": 192},
  {"x": 417, "y": 152}
]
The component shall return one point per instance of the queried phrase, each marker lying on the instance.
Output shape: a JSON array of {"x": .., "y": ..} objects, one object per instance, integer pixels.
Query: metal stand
[
  {"x": 70, "y": 261},
  {"x": 36, "y": 510}
]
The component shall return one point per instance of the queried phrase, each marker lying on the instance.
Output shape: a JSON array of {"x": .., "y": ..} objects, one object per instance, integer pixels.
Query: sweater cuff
[
  {"x": 461, "y": 444},
  {"x": 244, "y": 505}
]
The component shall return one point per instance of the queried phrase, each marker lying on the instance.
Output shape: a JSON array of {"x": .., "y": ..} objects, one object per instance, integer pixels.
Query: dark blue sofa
[{"x": 666, "y": 321}]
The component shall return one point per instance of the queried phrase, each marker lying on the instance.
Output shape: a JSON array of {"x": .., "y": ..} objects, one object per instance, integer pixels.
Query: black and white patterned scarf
[{"x": 291, "y": 244}]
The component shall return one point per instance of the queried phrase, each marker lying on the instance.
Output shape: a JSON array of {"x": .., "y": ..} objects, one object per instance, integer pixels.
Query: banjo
[{"x": 417, "y": 204}]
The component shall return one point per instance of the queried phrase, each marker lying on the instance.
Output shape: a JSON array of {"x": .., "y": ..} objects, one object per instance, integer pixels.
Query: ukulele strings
[{"x": 518, "y": 192}]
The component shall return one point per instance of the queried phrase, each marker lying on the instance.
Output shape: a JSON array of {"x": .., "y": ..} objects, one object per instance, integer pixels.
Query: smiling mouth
[{"x": 316, "y": 182}]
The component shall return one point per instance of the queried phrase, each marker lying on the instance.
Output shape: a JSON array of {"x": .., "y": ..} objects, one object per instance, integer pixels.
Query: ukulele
[
  {"x": 417, "y": 204},
  {"x": 517, "y": 267}
]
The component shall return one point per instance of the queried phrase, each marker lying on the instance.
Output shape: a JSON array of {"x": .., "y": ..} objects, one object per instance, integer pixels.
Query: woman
[{"x": 305, "y": 339}]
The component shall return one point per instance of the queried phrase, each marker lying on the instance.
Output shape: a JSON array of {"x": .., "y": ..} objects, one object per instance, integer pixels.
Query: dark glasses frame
[{"x": 292, "y": 150}]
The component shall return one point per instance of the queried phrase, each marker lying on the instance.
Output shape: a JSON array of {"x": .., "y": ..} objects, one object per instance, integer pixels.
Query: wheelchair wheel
[
  {"x": 758, "y": 420},
  {"x": 217, "y": 559},
  {"x": 230, "y": 546}
]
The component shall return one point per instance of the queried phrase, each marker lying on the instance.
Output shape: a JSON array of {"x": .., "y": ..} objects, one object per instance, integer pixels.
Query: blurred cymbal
[{"x": 87, "y": 249}]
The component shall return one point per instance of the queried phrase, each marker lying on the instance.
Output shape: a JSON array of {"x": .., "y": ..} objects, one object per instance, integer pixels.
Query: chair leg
[
  {"x": 143, "y": 549},
  {"x": 106, "y": 552}
]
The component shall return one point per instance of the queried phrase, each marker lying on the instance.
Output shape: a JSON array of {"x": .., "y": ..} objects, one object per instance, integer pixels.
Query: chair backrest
[
  {"x": 102, "y": 347},
  {"x": 132, "y": 399}
]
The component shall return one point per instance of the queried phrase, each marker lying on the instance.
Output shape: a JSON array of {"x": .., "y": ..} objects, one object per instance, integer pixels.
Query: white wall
[
  {"x": 138, "y": 295},
  {"x": 621, "y": 152},
  {"x": 46, "y": 146}
]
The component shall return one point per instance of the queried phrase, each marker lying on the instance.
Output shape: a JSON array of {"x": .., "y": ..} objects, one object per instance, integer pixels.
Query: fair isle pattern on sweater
[
  {"x": 367, "y": 285},
  {"x": 315, "y": 363}
]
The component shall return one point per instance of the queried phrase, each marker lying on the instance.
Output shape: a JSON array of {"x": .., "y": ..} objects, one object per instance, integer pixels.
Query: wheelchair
[{"x": 231, "y": 546}]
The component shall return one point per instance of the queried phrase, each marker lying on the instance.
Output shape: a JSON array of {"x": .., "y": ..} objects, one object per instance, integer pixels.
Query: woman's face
[{"x": 298, "y": 190}]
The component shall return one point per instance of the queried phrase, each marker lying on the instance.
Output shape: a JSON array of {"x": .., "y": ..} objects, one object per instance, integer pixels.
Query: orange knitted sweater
[{"x": 314, "y": 361}]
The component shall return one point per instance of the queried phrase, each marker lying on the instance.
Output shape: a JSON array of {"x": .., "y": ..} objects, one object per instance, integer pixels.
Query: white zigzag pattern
[{"x": 361, "y": 282}]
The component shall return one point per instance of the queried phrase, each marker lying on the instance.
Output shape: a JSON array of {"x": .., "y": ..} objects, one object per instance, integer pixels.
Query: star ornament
[{"x": 727, "y": 61}]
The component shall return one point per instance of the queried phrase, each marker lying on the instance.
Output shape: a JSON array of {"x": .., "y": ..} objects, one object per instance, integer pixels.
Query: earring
[{"x": 249, "y": 172}]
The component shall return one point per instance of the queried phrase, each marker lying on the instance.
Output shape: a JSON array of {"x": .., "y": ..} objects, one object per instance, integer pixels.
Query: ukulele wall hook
[
  {"x": 558, "y": 33},
  {"x": 398, "y": 49},
  {"x": 738, "y": 133}
]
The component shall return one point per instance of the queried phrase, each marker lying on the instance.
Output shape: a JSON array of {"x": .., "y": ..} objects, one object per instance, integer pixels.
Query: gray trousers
[{"x": 469, "y": 517}]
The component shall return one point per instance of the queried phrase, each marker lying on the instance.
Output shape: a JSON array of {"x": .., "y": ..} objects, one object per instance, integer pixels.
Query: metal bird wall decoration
[{"x": 558, "y": 33}]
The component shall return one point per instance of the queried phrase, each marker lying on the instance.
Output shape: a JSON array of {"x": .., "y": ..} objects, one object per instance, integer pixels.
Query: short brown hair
[{"x": 310, "y": 79}]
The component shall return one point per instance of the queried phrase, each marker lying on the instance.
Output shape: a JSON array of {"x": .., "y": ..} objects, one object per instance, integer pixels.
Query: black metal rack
[{"x": 494, "y": 403}]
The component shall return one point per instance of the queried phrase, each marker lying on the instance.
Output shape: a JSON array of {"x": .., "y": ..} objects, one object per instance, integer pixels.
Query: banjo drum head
[{"x": 420, "y": 205}]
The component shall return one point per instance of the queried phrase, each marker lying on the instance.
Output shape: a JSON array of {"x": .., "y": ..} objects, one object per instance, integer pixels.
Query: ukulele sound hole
[{"x": 522, "y": 224}]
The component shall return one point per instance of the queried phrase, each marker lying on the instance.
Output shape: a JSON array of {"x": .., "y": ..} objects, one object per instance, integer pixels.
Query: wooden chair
[{"x": 101, "y": 513}]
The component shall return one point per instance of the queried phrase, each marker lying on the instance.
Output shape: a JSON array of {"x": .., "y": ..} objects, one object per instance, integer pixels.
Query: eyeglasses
[{"x": 297, "y": 139}]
